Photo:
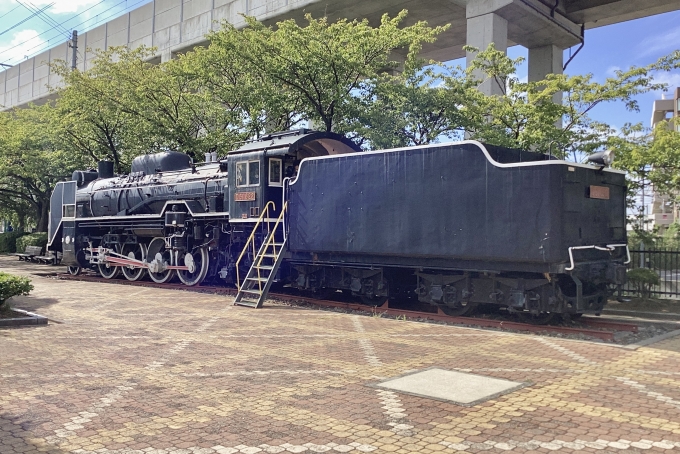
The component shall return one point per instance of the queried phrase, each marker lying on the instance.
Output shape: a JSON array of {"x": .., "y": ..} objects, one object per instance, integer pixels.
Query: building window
[
  {"x": 275, "y": 172},
  {"x": 248, "y": 173}
]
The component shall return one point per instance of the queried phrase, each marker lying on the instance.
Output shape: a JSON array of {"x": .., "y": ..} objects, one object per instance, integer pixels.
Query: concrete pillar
[
  {"x": 166, "y": 55},
  {"x": 543, "y": 61},
  {"x": 483, "y": 30}
]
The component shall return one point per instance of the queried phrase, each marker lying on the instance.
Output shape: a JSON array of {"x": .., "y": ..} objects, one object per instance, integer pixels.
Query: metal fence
[{"x": 665, "y": 263}]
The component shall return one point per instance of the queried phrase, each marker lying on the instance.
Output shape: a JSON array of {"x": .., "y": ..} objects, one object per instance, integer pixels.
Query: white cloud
[
  {"x": 672, "y": 79},
  {"x": 64, "y": 6},
  {"x": 611, "y": 71},
  {"x": 23, "y": 43},
  {"x": 659, "y": 44}
]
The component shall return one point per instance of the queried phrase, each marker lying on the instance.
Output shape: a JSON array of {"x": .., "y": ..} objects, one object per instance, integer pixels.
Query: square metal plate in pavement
[{"x": 457, "y": 387}]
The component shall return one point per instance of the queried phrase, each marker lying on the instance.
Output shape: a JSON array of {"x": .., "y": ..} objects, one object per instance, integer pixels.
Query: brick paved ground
[{"x": 135, "y": 370}]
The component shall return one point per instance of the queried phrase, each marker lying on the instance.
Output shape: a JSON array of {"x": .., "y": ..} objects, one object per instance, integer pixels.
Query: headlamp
[{"x": 603, "y": 158}]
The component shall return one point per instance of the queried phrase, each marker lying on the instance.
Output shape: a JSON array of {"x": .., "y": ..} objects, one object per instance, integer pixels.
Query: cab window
[
  {"x": 275, "y": 172},
  {"x": 253, "y": 172},
  {"x": 248, "y": 173},
  {"x": 241, "y": 174}
]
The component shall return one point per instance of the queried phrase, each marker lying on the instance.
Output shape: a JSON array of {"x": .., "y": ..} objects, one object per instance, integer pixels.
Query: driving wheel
[
  {"x": 108, "y": 270},
  {"x": 134, "y": 252},
  {"x": 198, "y": 262},
  {"x": 159, "y": 257}
]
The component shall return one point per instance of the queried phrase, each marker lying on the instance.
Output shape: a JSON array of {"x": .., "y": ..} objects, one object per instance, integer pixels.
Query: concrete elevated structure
[{"x": 545, "y": 27}]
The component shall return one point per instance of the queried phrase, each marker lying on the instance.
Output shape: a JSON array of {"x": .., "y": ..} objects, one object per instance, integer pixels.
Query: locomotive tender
[{"x": 453, "y": 225}]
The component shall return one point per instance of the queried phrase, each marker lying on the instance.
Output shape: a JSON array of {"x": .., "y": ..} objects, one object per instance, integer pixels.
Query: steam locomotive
[{"x": 454, "y": 225}]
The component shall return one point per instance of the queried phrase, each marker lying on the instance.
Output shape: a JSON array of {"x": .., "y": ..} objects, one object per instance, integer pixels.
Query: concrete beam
[
  {"x": 530, "y": 22},
  {"x": 598, "y": 13}
]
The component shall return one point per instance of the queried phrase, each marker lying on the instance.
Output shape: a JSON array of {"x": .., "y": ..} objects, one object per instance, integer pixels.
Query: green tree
[
  {"x": 32, "y": 161},
  {"x": 314, "y": 71},
  {"x": 417, "y": 107},
  {"x": 247, "y": 102},
  {"x": 91, "y": 122},
  {"x": 526, "y": 116},
  {"x": 124, "y": 106}
]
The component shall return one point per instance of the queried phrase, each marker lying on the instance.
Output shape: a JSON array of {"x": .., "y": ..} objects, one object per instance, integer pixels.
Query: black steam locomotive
[{"x": 454, "y": 225}]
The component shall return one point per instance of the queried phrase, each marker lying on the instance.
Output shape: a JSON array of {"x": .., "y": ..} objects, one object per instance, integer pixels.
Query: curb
[
  {"x": 29, "y": 318},
  {"x": 652, "y": 340},
  {"x": 652, "y": 315}
]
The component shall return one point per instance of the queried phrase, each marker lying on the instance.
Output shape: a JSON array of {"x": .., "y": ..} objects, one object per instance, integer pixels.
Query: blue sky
[{"x": 639, "y": 42}]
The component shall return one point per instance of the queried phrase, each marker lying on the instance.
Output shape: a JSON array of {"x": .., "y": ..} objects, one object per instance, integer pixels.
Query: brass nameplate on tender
[
  {"x": 599, "y": 192},
  {"x": 244, "y": 197}
]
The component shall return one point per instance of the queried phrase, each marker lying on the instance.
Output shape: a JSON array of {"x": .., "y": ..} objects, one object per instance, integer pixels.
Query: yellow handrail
[
  {"x": 271, "y": 242},
  {"x": 251, "y": 239}
]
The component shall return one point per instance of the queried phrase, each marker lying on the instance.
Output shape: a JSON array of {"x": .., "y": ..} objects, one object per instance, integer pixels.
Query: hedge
[
  {"x": 643, "y": 279},
  {"x": 8, "y": 242},
  {"x": 11, "y": 285},
  {"x": 33, "y": 239}
]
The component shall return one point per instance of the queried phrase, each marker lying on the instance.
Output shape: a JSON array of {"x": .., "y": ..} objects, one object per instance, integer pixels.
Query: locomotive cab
[{"x": 258, "y": 169}]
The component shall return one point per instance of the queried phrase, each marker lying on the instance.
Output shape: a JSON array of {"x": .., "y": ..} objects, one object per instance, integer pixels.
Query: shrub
[
  {"x": 11, "y": 285},
  {"x": 8, "y": 242},
  {"x": 33, "y": 239},
  {"x": 643, "y": 279}
]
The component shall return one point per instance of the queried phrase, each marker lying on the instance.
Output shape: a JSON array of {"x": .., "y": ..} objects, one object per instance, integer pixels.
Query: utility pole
[{"x": 74, "y": 46}]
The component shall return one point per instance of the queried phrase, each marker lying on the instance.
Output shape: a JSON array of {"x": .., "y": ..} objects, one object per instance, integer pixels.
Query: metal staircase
[{"x": 252, "y": 291}]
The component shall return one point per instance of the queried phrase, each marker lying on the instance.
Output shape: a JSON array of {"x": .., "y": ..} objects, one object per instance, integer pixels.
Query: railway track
[{"x": 597, "y": 328}]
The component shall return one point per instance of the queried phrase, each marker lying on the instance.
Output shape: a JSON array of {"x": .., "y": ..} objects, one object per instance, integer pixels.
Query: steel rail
[{"x": 607, "y": 334}]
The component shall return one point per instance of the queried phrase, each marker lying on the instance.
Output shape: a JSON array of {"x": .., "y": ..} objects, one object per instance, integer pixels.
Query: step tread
[{"x": 261, "y": 279}]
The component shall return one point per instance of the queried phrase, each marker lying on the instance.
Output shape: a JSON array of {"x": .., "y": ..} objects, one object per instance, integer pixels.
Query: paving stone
[{"x": 135, "y": 370}]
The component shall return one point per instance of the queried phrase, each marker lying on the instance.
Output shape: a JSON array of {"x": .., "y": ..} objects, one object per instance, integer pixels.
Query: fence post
[{"x": 642, "y": 254}]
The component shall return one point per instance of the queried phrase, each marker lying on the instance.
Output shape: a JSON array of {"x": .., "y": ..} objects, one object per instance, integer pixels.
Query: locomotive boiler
[
  {"x": 453, "y": 225},
  {"x": 170, "y": 217}
]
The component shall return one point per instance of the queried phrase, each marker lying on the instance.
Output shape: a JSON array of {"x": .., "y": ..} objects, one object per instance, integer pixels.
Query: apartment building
[{"x": 663, "y": 210}]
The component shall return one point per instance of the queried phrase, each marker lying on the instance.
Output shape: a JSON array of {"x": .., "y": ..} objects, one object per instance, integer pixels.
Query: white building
[{"x": 663, "y": 210}]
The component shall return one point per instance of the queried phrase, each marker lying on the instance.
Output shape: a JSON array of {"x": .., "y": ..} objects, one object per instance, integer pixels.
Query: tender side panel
[{"x": 448, "y": 202}]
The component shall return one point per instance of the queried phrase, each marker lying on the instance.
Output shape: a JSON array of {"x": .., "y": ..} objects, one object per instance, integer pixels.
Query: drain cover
[{"x": 457, "y": 387}]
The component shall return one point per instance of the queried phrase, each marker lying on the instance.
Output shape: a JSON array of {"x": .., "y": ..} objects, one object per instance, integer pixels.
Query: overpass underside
[{"x": 545, "y": 27}]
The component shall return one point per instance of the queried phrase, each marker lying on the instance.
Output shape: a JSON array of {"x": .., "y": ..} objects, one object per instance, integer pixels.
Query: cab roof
[{"x": 312, "y": 143}]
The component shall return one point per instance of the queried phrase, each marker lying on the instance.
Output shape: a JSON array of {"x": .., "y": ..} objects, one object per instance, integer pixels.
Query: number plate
[
  {"x": 599, "y": 192},
  {"x": 244, "y": 196}
]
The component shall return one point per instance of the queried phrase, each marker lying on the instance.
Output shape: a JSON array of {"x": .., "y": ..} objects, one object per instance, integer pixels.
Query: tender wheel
[
  {"x": 136, "y": 252},
  {"x": 162, "y": 257},
  {"x": 198, "y": 262},
  {"x": 460, "y": 309},
  {"x": 74, "y": 270},
  {"x": 543, "y": 318},
  {"x": 109, "y": 271}
]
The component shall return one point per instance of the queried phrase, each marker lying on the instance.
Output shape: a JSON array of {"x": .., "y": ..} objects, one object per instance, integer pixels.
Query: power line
[
  {"x": 110, "y": 16},
  {"x": 49, "y": 30},
  {"x": 45, "y": 44},
  {"x": 10, "y": 11},
  {"x": 41, "y": 15},
  {"x": 29, "y": 17}
]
